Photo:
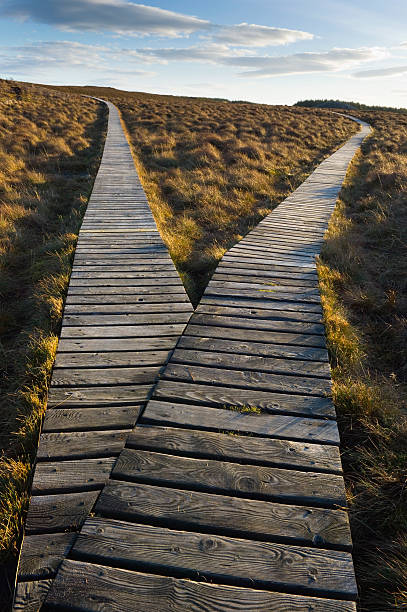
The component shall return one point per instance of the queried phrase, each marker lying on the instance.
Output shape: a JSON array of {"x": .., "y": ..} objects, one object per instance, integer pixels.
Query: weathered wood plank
[
  {"x": 119, "y": 589},
  {"x": 258, "y": 349},
  {"x": 270, "y": 324},
  {"x": 256, "y": 482},
  {"x": 255, "y": 379},
  {"x": 110, "y": 359},
  {"x": 259, "y": 564},
  {"x": 224, "y": 514},
  {"x": 137, "y": 308},
  {"x": 64, "y": 445},
  {"x": 30, "y": 596},
  {"x": 136, "y": 318},
  {"x": 71, "y": 397},
  {"x": 64, "y": 377},
  {"x": 100, "y": 345},
  {"x": 122, "y": 331},
  {"x": 205, "y": 417},
  {"x": 70, "y": 476},
  {"x": 238, "y": 301},
  {"x": 251, "y": 334},
  {"x": 62, "y": 512},
  {"x": 42, "y": 554},
  {"x": 224, "y": 309},
  {"x": 251, "y": 362},
  {"x": 254, "y": 450},
  {"x": 78, "y": 419}
]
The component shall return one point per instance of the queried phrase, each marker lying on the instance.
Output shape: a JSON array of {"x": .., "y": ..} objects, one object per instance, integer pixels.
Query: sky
[{"x": 269, "y": 51}]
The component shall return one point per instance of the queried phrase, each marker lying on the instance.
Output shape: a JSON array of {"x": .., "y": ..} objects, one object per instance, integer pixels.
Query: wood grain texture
[
  {"x": 42, "y": 554},
  {"x": 242, "y": 362},
  {"x": 278, "y": 425},
  {"x": 288, "y": 353},
  {"x": 78, "y": 419},
  {"x": 248, "y": 378},
  {"x": 250, "y": 334},
  {"x": 95, "y": 588},
  {"x": 263, "y": 520},
  {"x": 259, "y": 564},
  {"x": 30, "y": 596},
  {"x": 71, "y": 397},
  {"x": 82, "y": 444},
  {"x": 257, "y": 482},
  {"x": 57, "y": 513},
  {"x": 58, "y": 476},
  {"x": 254, "y": 450}
]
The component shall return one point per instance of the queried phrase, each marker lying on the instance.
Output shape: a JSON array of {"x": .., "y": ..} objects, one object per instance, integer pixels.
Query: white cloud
[
  {"x": 210, "y": 53},
  {"x": 45, "y": 58},
  {"x": 380, "y": 72},
  {"x": 300, "y": 63},
  {"x": 118, "y": 16},
  {"x": 250, "y": 34}
]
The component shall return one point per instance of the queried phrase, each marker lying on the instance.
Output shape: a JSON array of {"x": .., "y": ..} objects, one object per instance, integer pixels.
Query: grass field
[
  {"x": 212, "y": 169},
  {"x": 364, "y": 289},
  {"x": 50, "y": 144}
]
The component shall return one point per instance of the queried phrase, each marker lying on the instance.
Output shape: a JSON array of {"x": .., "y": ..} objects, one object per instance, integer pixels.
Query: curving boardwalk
[
  {"x": 228, "y": 494},
  {"x": 125, "y": 310}
]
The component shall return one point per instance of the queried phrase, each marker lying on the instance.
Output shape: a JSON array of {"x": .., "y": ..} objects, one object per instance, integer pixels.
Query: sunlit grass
[
  {"x": 50, "y": 144},
  {"x": 363, "y": 281}
]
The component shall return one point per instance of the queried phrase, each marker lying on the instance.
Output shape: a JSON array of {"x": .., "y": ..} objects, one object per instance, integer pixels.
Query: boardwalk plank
[
  {"x": 42, "y": 554},
  {"x": 57, "y": 513},
  {"x": 59, "y": 476},
  {"x": 77, "y": 419},
  {"x": 255, "y": 379},
  {"x": 205, "y": 417},
  {"x": 257, "y": 349},
  {"x": 119, "y": 589},
  {"x": 255, "y": 450},
  {"x": 64, "y": 445},
  {"x": 258, "y": 482},
  {"x": 70, "y": 397},
  {"x": 251, "y": 362},
  {"x": 223, "y": 514},
  {"x": 248, "y": 332},
  {"x": 259, "y": 564}
]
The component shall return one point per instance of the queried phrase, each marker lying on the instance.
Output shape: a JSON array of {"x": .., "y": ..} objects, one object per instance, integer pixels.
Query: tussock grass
[
  {"x": 362, "y": 272},
  {"x": 50, "y": 144},
  {"x": 212, "y": 169}
]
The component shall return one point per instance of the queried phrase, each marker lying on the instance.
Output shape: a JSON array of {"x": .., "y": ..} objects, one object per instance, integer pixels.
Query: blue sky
[{"x": 269, "y": 51}]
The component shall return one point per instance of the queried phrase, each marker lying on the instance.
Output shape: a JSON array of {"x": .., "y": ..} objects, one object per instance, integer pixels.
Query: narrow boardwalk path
[
  {"x": 125, "y": 310},
  {"x": 228, "y": 494}
]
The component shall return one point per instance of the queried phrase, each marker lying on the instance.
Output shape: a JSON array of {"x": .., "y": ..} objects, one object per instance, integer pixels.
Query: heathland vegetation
[
  {"x": 364, "y": 290},
  {"x": 50, "y": 144}
]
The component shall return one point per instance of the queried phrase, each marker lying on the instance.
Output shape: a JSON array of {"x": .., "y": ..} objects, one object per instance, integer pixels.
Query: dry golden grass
[
  {"x": 364, "y": 281},
  {"x": 212, "y": 169},
  {"x": 50, "y": 144}
]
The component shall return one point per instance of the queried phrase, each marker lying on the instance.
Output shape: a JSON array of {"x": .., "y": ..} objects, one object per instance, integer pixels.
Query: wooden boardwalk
[
  {"x": 125, "y": 310},
  {"x": 227, "y": 494}
]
